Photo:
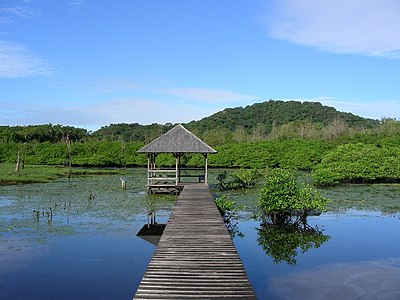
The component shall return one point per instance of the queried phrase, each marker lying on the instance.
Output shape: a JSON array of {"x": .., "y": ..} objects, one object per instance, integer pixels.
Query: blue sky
[{"x": 90, "y": 63}]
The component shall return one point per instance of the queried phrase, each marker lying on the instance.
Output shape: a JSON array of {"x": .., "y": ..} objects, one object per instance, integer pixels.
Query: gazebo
[{"x": 177, "y": 141}]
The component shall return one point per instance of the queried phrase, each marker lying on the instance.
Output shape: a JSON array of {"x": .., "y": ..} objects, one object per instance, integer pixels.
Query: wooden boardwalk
[{"x": 195, "y": 257}]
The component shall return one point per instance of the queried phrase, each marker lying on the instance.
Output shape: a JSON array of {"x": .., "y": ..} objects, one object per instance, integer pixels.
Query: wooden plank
[{"x": 195, "y": 257}]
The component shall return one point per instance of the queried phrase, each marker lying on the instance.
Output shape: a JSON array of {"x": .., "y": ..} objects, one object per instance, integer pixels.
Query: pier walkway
[{"x": 195, "y": 257}]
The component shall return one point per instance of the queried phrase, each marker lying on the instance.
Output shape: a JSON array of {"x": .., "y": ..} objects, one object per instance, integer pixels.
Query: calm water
[
  {"x": 82, "y": 244},
  {"x": 77, "y": 239}
]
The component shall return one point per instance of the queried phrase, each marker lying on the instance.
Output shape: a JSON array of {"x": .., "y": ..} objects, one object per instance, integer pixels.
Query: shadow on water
[{"x": 152, "y": 231}]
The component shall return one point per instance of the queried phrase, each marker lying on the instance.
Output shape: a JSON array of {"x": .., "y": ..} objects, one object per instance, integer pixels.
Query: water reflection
[
  {"x": 357, "y": 280},
  {"x": 231, "y": 223},
  {"x": 281, "y": 240},
  {"x": 152, "y": 231}
]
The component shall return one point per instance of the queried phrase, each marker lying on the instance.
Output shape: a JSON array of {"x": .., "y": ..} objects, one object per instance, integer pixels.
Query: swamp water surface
[{"x": 78, "y": 239}]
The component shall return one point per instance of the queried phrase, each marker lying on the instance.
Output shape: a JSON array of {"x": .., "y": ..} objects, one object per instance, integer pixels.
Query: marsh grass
[{"x": 43, "y": 173}]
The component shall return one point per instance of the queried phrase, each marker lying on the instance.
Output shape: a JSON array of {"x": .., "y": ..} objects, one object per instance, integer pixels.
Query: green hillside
[
  {"x": 250, "y": 123},
  {"x": 260, "y": 117},
  {"x": 275, "y": 113}
]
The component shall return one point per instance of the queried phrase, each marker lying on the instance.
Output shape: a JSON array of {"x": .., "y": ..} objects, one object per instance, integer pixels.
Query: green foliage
[
  {"x": 359, "y": 163},
  {"x": 224, "y": 205},
  {"x": 297, "y": 154},
  {"x": 282, "y": 242},
  {"x": 281, "y": 197},
  {"x": 90, "y": 153},
  {"x": 131, "y": 132},
  {"x": 37, "y": 174},
  {"x": 239, "y": 179},
  {"x": 264, "y": 135},
  {"x": 228, "y": 210},
  {"x": 279, "y": 200},
  {"x": 259, "y": 119},
  {"x": 40, "y": 133}
]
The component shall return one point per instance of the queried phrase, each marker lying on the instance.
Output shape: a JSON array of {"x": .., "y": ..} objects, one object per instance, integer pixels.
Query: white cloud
[
  {"x": 209, "y": 95},
  {"x": 16, "y": 61},
  {"x": 368, "y": 27}
]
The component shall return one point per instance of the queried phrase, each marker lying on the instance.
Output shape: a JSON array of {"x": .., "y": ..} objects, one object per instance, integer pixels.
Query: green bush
[{"x": 281, "y": 197}]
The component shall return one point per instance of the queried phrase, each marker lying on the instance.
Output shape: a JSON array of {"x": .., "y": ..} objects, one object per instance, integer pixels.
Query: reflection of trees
[
  {"x": 231, "y": 223},
  {"x": 280, "y": 240}
]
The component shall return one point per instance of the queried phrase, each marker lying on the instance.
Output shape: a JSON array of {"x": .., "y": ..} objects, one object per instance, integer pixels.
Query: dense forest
[{"x": 304, "y": 136}]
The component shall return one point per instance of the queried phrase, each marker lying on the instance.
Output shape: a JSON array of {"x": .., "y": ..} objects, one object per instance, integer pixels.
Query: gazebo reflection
[{"x": 152, "y": 231}]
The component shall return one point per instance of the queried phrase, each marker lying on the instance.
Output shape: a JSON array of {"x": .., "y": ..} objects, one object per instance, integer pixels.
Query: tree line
[
  {"x": 268, "y": 120},
  {"x": 320, "y": 147},
  {"x": 41, "y": 133}
]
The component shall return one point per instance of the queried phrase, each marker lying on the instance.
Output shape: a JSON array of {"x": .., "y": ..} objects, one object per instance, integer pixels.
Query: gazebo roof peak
[{"x": 177, "y": 140}]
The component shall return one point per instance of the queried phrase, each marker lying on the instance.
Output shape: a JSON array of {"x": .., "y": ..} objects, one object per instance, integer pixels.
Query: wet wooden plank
[{"x": 195, "y": 257}]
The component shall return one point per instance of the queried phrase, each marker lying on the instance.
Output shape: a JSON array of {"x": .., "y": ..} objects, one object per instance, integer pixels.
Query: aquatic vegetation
[
  {"x": 229, "y": 211},
  {"x": 282, "y": 197},
  {"x": 43, "y": 174},
  {"x": 77, "y": 205},
  {"x": 224, "y": 205}
]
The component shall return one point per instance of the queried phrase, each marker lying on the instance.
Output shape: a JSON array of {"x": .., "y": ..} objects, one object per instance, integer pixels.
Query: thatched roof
[{"x": 177, "y": 140}]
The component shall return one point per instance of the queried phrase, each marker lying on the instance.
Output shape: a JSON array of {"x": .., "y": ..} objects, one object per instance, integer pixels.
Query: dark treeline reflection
[{"x": 281, "y": 238}]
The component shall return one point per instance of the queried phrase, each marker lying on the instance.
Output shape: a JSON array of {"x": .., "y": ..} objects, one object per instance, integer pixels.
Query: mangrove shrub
[
  {"x": 282, "y": 197},
  {"x": 359, "y": 163}
]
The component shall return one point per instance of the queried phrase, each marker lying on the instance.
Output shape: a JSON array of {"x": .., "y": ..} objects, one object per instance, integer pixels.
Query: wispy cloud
[
  {"x": 209, "y": 95},
  {"x": 368, "y": 27},
  {"x": 77, "y": 2},
  {"x": 115, "y": 84},
  {"x": 125, "y": 110},
  {"x": 17, "y": 61},
  {"x": 11, "y": 13}
]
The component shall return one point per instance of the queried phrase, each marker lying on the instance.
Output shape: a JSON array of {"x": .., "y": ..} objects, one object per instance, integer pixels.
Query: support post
[
  {"x": 205, "y": 169},
  {"x": 179, "y": 168},
  {"x": 176, "y": 168},
  {"x": 148, "y": 169}
]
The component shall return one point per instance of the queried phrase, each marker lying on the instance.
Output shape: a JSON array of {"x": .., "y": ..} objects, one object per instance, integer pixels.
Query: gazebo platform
[
  {"x": 177, "y": 141},
  {"x": 165, "y": 188}
]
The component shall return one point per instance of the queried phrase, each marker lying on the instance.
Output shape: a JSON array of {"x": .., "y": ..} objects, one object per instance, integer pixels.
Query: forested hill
[
  {"x": 253, "y": 122},
  {"x": 258, "y": 118},
  {"x": 275, "y": 113}
]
